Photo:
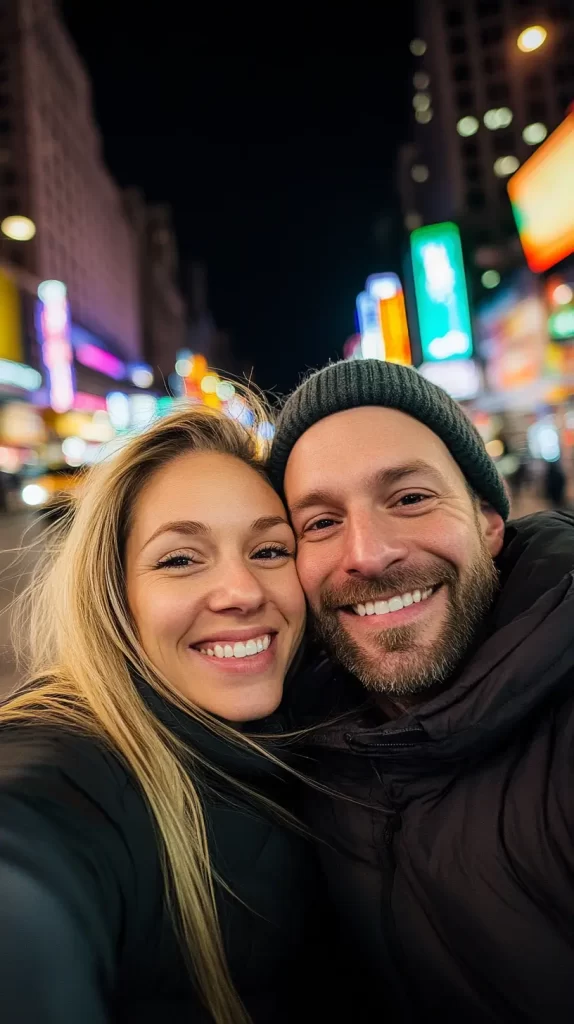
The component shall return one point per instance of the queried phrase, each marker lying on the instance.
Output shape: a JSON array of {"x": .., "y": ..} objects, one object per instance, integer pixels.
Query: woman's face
[{"x": 212, "y": 585}]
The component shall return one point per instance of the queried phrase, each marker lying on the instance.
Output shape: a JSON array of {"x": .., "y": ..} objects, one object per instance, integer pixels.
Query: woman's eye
[
  {"x": 272, "y": 553},
  {"x": 176, "y": 562}
]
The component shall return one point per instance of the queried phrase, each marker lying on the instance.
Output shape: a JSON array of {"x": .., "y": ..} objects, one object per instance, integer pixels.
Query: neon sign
[
  {"x": 98, "y": 359},
  {"x": 372, "y": 346},
  {"x": 56, "y": 344},
  {"x": 542, "y": 200},
  {"x": 388, "y": 291},
  {"x": 440, "y": 288}
]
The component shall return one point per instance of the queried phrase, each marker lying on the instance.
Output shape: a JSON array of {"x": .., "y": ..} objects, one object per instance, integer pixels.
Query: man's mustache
[{"x": 388, "y": 584}]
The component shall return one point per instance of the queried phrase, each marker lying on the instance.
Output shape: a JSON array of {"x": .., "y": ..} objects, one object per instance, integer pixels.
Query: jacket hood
[{"x": 525, "y": 657}]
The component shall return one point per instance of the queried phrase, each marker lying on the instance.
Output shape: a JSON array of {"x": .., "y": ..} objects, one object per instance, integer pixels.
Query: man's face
[{"x": 395, "y": 556}]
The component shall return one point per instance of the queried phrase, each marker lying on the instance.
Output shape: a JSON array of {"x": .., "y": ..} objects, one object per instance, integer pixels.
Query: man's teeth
[
  {"x": 394, "y": 604},
  {"x": 239, "y": 650}
]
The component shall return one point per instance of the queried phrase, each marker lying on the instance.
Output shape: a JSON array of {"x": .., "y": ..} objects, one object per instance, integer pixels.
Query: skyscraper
[
  {"x": 52, "y": 171},
  {"x": 484, "y": 97}
]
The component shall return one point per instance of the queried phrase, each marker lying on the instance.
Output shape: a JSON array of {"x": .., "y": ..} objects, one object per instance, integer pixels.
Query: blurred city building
[
  {"x": 53, "y": 172},
  {"x": 163, "y": 310},
  {"x": 483, "y": 98}
]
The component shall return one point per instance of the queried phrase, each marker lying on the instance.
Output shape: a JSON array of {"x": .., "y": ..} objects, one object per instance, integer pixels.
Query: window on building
[
  {"x": 564, "y": 73},
  {"x": 488, "y": 8},
  {"x": 534, "y": 83},
  {"x": 497, "y": 93},
  {"x": 465, "y": 100},
  {"x": 503, "y": 142},
  {"x": 458, "y": 45},
  {"x": 454, "y": 17},
  {"x": 5, "y": 126},
  {"x": 565, "y": 100},
  {"x": 491, "y": 34},
  {"x": 472, "y": 173},
  {"x": 493, "y": 63},
  {"x": 462, "y": 73},
  {"x": 536, "y": 111},
  {"x": 470, "y": 149},
  {"x": 8, "y": 178}
]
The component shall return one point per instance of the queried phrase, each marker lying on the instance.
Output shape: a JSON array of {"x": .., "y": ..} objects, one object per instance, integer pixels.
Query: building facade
[
  {"x": 481, "y": 106},
  {"x": 52, "y": 171},
  {"x": 163, "y": 308}
]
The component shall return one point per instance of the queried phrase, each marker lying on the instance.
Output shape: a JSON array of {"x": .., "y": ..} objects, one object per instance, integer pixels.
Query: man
[{"x": 451, "y": 857}]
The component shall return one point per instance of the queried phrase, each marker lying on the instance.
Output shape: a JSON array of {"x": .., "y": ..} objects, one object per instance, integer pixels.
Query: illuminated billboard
[
  {"x": 388, "y": 291},
  {"x": 56, "y": 344},
  {"x": 441, "y": 295},
  {"x": 372, "y": 346},
  {"x": 542, "y": 197}
]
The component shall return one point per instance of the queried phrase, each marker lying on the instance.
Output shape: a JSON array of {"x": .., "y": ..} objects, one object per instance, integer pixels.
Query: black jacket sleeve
[{"x": 60, "y": 890}]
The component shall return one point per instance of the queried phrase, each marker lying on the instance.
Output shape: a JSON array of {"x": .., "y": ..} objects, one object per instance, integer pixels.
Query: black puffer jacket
[
  {"x": 455, "y": 885},
  {"x": 84, "y": 935}
]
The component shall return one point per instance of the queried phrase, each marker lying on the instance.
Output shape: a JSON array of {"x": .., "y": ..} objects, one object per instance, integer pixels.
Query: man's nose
[{"x": 371, "y": 546}]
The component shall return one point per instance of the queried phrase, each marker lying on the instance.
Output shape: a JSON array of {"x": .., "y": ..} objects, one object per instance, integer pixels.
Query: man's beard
[{"x": 423, "y": 665}]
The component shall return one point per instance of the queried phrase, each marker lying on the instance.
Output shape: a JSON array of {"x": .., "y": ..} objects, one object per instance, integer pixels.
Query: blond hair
[{"x": 84, "y": 651}]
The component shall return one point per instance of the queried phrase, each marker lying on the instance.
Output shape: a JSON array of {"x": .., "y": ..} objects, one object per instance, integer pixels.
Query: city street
[{"x": 15, "y": 567}]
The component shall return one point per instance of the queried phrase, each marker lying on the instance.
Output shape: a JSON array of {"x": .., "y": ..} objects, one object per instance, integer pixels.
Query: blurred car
[{"x": 50, "y": 493}]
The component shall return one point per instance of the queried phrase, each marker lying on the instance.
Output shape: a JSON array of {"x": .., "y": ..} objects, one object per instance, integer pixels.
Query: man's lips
[{"x": 383, "y": 613}]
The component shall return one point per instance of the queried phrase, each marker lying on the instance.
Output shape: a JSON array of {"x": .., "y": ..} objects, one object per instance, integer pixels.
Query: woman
[{"x": 146, "y": 870}]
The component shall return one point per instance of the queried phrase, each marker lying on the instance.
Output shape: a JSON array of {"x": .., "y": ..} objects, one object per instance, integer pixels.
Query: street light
[
  {"x": 531, "y": 38},
  {"x": 17, "y": 228}
]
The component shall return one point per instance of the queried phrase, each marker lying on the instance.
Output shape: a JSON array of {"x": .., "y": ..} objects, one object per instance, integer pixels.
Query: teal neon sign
[{"x": 441, "y": 294}]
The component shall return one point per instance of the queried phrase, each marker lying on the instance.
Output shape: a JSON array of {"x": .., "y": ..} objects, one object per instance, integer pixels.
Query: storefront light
[{"x": 19, "y": 375}]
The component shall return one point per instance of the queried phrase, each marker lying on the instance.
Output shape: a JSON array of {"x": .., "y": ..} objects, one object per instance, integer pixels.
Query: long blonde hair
[{"x": 84, "y": 651}]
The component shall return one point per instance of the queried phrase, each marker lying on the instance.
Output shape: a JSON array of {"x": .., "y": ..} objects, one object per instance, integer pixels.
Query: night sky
[{"x": 279, "y": 165}]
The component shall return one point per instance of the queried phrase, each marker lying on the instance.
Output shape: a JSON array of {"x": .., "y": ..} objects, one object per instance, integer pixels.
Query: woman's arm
[{"x": 60, "y": 899}]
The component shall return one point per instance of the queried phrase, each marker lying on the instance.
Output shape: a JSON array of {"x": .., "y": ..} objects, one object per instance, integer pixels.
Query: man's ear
[{"x": 493, "y": 528}]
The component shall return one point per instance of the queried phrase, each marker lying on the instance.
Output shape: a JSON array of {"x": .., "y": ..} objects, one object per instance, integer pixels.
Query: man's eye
[
  {"x": 320, "y": 524},
  {"x": 413, "y": 499}
]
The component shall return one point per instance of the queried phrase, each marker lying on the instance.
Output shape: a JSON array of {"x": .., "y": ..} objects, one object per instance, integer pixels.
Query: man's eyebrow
[{"x": 381, "y": 478}]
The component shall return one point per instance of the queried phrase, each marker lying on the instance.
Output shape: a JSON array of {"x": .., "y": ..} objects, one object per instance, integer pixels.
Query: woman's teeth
[
  {"x": 394, "y": 604},
  {"x": 239, "y": 650}
]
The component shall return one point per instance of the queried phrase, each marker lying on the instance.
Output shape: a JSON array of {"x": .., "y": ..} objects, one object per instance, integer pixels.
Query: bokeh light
[
  {"x": 532, "y": 38},
  {"x": 418, "y": 47},
  {"x": 506, "y": 165},
  {"x": 490, "y": 279},
  {"x": 467, "y": 126},
  {"x": 19, "y": 229},
  {"x": 535, "y": 133}
]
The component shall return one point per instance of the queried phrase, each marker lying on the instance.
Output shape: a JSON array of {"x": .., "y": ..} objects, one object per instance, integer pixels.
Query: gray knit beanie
[{"x": 357, "y": 382}]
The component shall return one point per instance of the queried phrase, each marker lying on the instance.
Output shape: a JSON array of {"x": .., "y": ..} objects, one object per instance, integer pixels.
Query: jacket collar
[{"x": 525, "y": 656}]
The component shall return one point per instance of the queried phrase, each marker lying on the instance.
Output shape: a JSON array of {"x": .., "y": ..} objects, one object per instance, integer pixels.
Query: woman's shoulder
[{"x": 41, "y": 762}]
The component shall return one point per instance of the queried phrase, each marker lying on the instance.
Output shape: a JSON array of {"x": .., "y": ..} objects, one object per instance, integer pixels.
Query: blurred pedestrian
[
  {"x": 448, "y": 698},
  {"x": 555, "y": 484},
  {"x": 150, "y": 870}
]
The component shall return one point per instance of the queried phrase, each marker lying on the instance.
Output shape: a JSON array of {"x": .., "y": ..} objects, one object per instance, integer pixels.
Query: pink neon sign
[
  {"x": 56, "y": 345},
  {"x": 89, "y": 403},
  {"x": 97, "y": 359}
]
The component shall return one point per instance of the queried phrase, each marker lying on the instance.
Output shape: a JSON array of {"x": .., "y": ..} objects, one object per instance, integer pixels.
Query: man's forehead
[{"x": 367, "y": 442}]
